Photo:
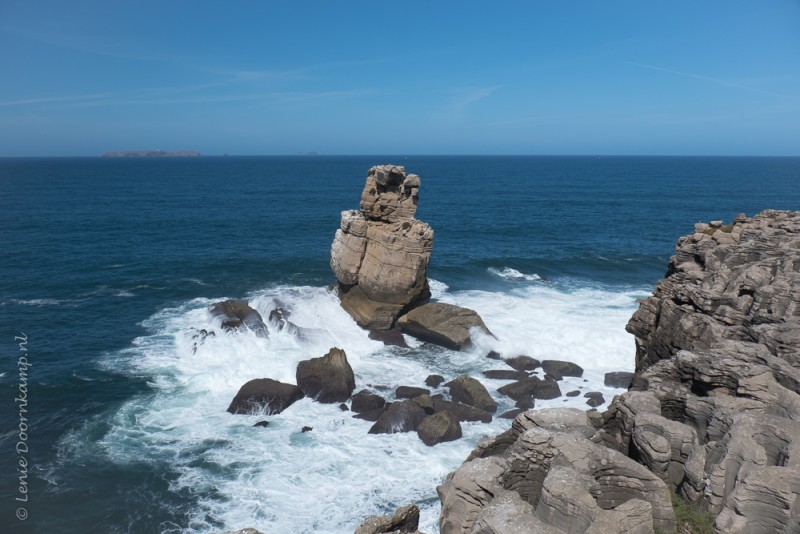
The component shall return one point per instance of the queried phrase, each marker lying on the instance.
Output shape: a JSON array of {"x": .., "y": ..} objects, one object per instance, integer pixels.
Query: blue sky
[{"x": 437, "y": 77}]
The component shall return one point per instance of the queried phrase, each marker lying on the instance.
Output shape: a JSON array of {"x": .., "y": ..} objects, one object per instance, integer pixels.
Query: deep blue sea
[{"x": 109, "y": 265}]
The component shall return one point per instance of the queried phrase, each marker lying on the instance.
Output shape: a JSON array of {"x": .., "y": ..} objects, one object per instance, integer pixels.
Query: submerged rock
[{"x": 238, "y": 315}]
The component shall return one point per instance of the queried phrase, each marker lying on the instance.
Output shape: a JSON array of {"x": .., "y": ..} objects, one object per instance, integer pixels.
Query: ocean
[{"x": 109, "y": 266}]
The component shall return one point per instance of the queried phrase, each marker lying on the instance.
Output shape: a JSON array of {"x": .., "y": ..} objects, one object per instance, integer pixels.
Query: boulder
[
  {"x": 531, "y": 387},
  {"x": 409, "y": 392},
  {"x": 380, "y": 254},
  {"x": 264, "y": 395},
  {"x": 434, "y": 381},
  {"x": 438, "y": 428},
  {"x": 327, "y": 379},
  {"x": 392, "y": 337},
  {"x": 462, "y": 412},
  {"x": 562, "y": 368},
  {"x": 442, "y": 324},
  {"x": 618, "y": 379},
  {"x": 399, "y": 417},
  {"x": 503, "y": 374},
  {"x": 365, "y": 401},
  {"x": 238, "y": 315},
  {"x": 467, "y": 390},
  {"x": 404, "y": 521},
  {"x": 523, "y": 363}
]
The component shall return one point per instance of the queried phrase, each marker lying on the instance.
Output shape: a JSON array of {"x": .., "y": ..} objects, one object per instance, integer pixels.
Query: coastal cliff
[{"x": 713, "y": 414}]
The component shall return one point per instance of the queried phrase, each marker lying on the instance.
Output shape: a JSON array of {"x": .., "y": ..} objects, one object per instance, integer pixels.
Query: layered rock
[
  {"x": 545, "y": 475},
  {"x": 380, "y": 254},
  {"x": 736, "y": 282},
  {"x": 713, "y": 412}
]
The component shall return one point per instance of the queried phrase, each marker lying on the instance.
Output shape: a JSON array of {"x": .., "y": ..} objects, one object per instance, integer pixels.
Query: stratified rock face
[
  {"x": 739, "y": 282},
  {"x": 380, "y": 254},
  {"x": 547, "y": 471},
  {"x": 714, "y": 410}
]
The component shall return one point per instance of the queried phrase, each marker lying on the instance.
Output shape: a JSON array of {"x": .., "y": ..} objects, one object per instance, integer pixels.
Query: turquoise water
[{"x": 108, "y": 266}]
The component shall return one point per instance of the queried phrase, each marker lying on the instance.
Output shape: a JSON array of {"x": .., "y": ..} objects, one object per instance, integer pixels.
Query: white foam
[
  {"x": 278, "y": 479},
  {"x": 507, "y": 273}
]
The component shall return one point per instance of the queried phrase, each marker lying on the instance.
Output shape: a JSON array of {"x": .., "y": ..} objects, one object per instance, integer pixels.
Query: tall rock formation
[{"x": 380, "y": 254}]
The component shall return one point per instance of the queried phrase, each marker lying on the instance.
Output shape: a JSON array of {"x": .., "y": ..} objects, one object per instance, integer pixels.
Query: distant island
[{"x": 152, "y": 154}]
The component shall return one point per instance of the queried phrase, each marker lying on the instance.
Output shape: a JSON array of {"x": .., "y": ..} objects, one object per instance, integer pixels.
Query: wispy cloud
[
  {"x": 701, "y": 77},
  {"x": 466, "y": 97},
  {"x": 56, "y": 99}
]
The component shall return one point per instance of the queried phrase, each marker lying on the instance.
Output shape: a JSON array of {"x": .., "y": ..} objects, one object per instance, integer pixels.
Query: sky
[{"x": 626, "y": 77}]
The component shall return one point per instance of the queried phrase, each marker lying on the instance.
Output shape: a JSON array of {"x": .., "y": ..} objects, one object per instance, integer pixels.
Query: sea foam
[{"x": 279, "y": 479}]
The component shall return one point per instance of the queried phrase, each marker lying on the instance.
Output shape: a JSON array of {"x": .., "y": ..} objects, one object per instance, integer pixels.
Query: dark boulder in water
[
  {"x": 562, "y": 368},
  {"x": 327, "y": 379},
  {"x": 523, "y": 363},
  {"x": 392, "y": 337},
  {"x": 366, "y": 401},
  {"x": 399, "y": 417},
  {"x": 238, "y": 315},
  {"x": 434, "y": 381},
  {"x": 618, "y": 379},
  {"x": 469, "y": 391},
  {"x": 505, "y": 374},
  {"x": 438, "y": 428},
  {"x": 442, "y": 324},
  {"x": 409, "y": 392},
  {"x": 462, "y": 412},
  {"x": 532, "y": 387},
  {"x": 264, "y": 395}
]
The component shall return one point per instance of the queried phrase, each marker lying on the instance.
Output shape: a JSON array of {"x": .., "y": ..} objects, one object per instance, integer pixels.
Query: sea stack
[{"x": 380, "y": 253}]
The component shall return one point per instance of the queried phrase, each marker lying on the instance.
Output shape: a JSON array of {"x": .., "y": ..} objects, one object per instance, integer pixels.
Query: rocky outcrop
[
  {"x": 380, "y": 254},
  {"x": 737, "y": 282},
  {"x": 443, "y": 324},
  {"x": 713, "y": 411},
  {"x": 264, "y": 395},
  {"x": 238, "y": 315},
  {"x": 404, "y": 521},
  {"x": 547, "y": 476},
  {"x": 327, "y": 379}
]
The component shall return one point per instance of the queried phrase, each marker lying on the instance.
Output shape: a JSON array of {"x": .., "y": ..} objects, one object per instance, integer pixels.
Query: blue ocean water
[{"x": 109, "y": 265}]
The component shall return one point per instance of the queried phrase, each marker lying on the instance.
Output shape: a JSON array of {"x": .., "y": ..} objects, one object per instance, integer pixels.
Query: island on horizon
[{"x": 151, "y": 154}]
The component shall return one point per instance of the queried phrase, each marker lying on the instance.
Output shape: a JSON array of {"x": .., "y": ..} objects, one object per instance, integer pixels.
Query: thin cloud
[
  {"x": 470, "y": 96},
  {"x": 701, "y": 77},
  {"x": 55, "y": 99}
]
